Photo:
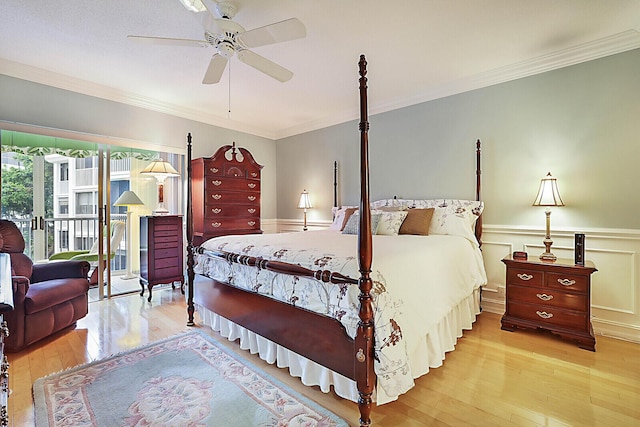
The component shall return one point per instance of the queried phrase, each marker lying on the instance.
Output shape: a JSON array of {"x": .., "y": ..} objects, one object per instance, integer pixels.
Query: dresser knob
[
  {"x": 252, "y": 198},
  {"x": 251, "y": 185},
  {"x": 524, "y": 276},
  {"x": 216, "y": 210},
  {"x": 216, "y": 182},
  {"x": 251, "y": 210},
  {"x": 544, "y": 314},
  {"x": 217, "y": 196},
  {"x": 566, "y": 282},
  {"x": 545, "y": 297},
  {"x": 254, "y": 174},
  {"x": 214, "y": 170},
  {"x": 216, "y": 224},
  {"x": 251, "y": 223}
]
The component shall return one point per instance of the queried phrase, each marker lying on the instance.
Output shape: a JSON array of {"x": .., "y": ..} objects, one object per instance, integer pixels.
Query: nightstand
[{"x": 555, "y": 296}]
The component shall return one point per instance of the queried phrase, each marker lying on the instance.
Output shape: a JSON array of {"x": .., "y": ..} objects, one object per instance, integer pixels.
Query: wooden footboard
[{"x": 317, "y": 337}]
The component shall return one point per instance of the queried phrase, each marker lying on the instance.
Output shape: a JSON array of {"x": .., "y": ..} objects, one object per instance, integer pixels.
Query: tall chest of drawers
[
  {"x": 161, "y": 251},
  {"x": 225, "y": 194},
  {"x": 555, "y": 296}
]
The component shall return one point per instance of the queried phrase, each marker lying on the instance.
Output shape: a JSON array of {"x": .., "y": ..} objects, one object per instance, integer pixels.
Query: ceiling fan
[{"x": 230, "y": 38}]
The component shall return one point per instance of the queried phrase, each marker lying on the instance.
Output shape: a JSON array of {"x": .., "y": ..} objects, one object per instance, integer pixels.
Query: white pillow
[
  {"x": 390, "y": 222},
  {"x": 338, "y": 217}
]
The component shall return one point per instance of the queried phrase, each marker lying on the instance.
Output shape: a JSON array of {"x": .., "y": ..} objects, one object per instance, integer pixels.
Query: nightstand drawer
[
  {"x": 525, "y": 277},
  {"x": 548, "y": 297},
  {"x": 548, "y": 315},
  {"x": 566, "y": 282}
]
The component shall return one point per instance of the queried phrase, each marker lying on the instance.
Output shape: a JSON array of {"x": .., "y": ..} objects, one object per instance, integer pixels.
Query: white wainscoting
[
  {"x": 615, "y": 295},
  {"x": 615, "y": 287}
]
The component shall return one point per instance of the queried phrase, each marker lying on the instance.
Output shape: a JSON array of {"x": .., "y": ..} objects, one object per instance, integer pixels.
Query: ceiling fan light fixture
[{"x": 193, "y": 5}]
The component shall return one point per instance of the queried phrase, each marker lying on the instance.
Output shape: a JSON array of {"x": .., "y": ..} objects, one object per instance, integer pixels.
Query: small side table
[{"x": 555, "y": 296}]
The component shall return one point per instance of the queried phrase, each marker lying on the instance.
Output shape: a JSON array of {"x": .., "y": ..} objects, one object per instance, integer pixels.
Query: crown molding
[
  {"x": 618, "y": 43},
  {"x": 61, "y": 81},
  {"x": 611, "y": 45}
]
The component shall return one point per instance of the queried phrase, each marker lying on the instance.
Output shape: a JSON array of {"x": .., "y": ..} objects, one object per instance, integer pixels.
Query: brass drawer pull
[
  {"x": 252, "y": 198},
  {"x": 251, "y": 185},
  {"x": 216, "y": 182},
  {"x": 251, "y": 223},
  {"x": 566, "y": 282},
  {"x": 216, "y": 196},
  {"x": 544, "y": 314},
  {"x": 524, "y": 276},
  {"x": 254, "y": 174},
  {"x": 251, "y": 210},
  {"x": 216, "y": 210},
  {"x": 214, "y": 170},
  {"x": 216, "y": 224},
  {"x": 545, "y": 297}
]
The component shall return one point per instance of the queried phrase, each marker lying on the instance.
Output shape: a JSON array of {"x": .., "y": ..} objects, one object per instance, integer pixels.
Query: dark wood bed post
[
  {"x": 335, "y": 184},
  {"x": 478, "y": 228},
  {"x": 364, "y": 342},
  {"x": 190, "y": 261}
]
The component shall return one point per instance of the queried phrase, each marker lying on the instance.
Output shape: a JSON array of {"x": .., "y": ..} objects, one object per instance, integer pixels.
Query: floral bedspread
[{"x": 309, "y": 250}]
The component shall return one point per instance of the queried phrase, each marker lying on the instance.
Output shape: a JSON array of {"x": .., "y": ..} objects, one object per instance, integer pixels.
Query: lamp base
[
  {"x": 548, "y": 256},
  {"x": 160, "y": 211}
]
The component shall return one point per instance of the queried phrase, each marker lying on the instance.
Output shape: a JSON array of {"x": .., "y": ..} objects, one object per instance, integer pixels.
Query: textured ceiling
[{"x": 417, "y": 50}]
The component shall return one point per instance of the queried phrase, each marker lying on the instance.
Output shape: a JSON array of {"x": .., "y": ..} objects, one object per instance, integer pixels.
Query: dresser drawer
[
  {"x": 166, "y": 253},
  {"x": 549, "y": 316},
  {"x": 222, "y": 210},
  {"x": 213, "y": 184},
  {"x": 566, "y": 282},
  {"x": 548, "y": 297},
  {"x": 525, "y": 277},
  {"x": 232, "y": 197},
  {"x": 215, "y": 225}
]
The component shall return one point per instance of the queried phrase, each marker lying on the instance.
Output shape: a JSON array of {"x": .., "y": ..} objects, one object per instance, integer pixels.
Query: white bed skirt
[{"x": 429, "y": 353}]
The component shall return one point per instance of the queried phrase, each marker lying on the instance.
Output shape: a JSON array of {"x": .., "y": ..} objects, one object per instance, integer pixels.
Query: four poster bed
[{"x": 308, "y": 301}]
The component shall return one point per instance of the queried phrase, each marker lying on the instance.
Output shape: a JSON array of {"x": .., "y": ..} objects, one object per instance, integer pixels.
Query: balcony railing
[{"x": 71, "y": 234}]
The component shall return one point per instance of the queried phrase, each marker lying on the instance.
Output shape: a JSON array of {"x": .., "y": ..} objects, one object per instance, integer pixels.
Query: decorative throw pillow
[
  {"x": 417, "y": 222},
  {"x": 338, "y": 217},
  {"x": 390, "y": 222},
  {"x": 348, "y": 213},
  {"x": 353, "y": 223}
]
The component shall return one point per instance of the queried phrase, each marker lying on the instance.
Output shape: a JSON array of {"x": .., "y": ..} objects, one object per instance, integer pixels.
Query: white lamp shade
[
  {"x": 128, "y": 198},
  {"x": 305, "y": 201},
  {"x": 160, "y": 169},
  {"x": 548, "y": 194}
]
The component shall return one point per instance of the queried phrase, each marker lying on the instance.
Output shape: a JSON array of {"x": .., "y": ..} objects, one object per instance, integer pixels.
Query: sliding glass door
[{"x": 62, "y": 192}]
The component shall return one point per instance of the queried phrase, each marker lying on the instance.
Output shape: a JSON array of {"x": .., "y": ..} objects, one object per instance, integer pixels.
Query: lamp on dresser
[
  {"x": 128, "y": 199},
  {"x": 161, "y": 170},
  {"x": 304, "y": 203},
  {"x": 548, "y": 196}
]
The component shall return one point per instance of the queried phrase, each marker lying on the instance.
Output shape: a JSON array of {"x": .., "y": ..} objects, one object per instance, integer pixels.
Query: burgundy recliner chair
[{"x": 46, "y": 297}]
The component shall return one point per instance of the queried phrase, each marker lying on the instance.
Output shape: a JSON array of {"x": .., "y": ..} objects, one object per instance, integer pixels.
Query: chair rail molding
[{"x": 615, "y": 295}]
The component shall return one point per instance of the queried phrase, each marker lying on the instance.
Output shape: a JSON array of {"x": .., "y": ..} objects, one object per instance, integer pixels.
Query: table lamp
[
  {"x": 128, "y": 198},
  {"x": 161, "y": 170},
  {"x": 304, "y": 203},
  {"x": 548, "y": 196}
]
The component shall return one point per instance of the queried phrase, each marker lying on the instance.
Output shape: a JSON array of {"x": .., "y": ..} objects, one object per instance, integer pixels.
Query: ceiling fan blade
[
  {"x": 169, "y": 41},
  {"x": 261, "y": 63},
  {"x": 282, "y": 31},
  {"x": 214, "y": 71}
]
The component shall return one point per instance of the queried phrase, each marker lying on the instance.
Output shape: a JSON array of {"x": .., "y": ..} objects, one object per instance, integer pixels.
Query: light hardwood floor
[{"x": 493, "y": 378}]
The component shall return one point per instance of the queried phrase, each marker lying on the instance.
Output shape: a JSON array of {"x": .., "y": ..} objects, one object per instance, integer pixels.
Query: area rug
[{"x": 185, "y": 380}]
